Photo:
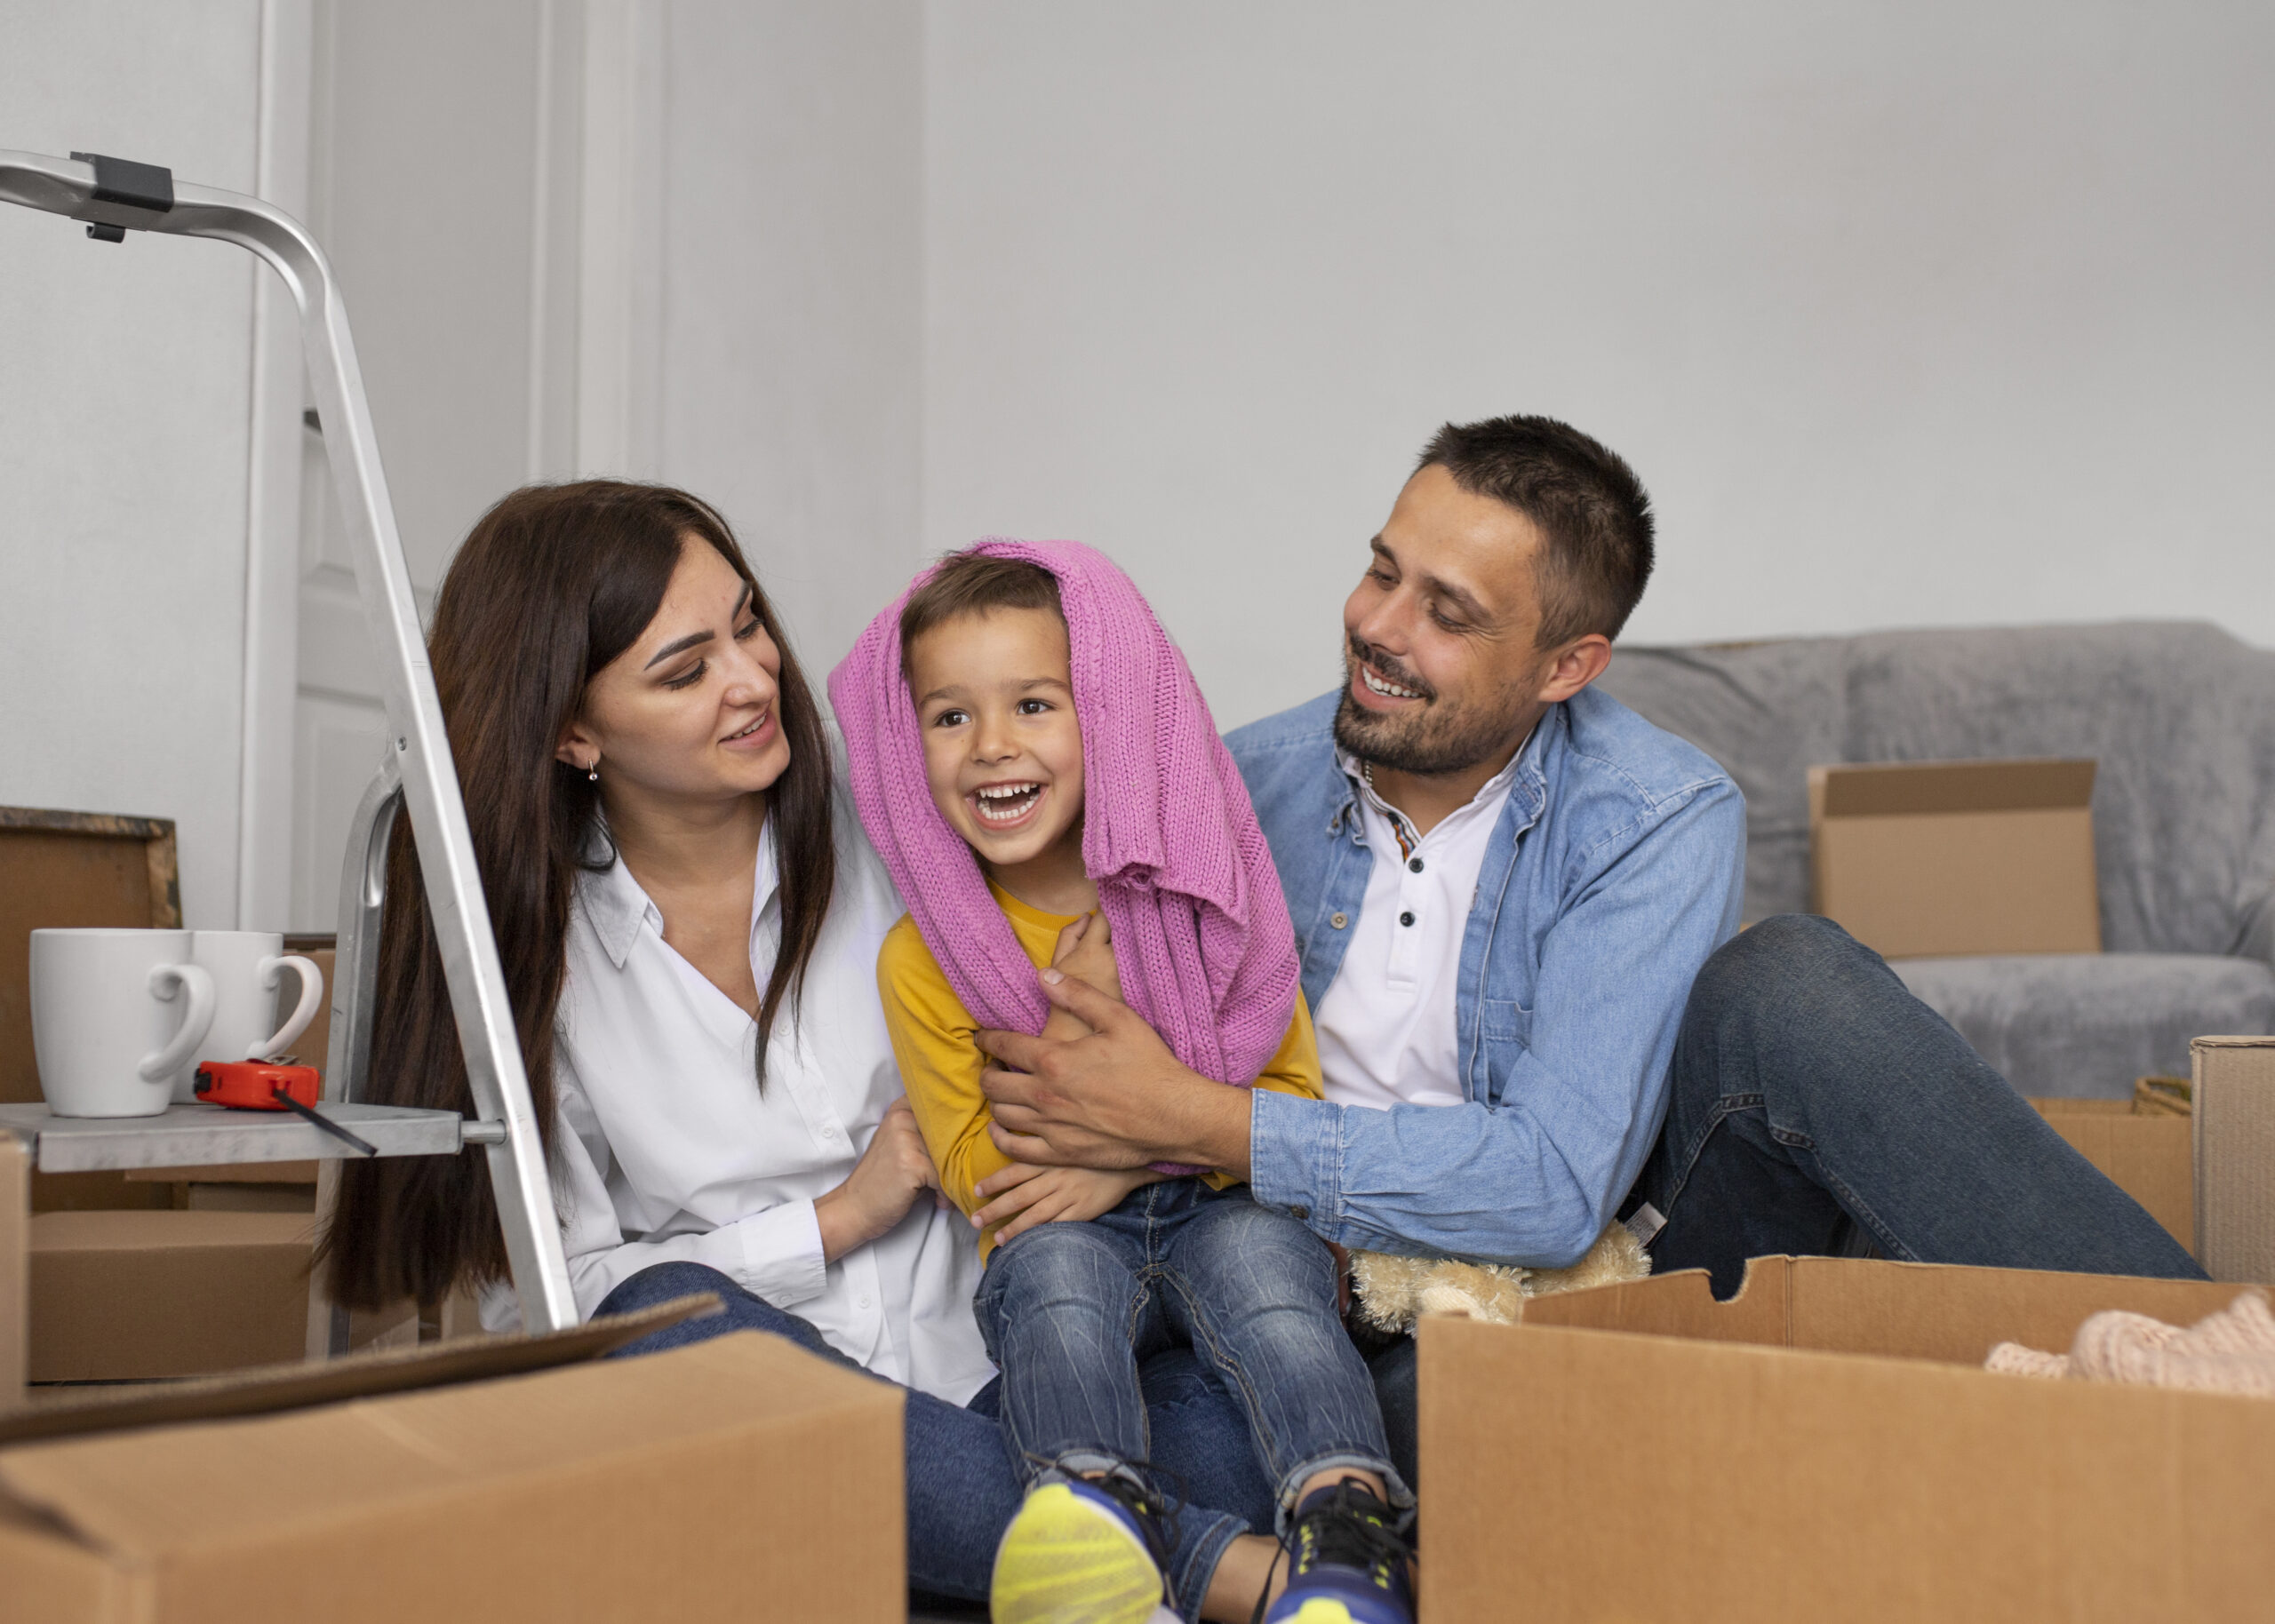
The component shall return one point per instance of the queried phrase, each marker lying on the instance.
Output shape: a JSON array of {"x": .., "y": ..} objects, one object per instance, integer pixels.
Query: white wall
[
  {"x": 1907, "y": 314},
  {"x": 431, "y": 190},
  {"x": 125, "y": 434},
  {"x": 663, "y": 240},
  {"x": 1926, "y": 314},
  {"x": 792, "y": 295}
]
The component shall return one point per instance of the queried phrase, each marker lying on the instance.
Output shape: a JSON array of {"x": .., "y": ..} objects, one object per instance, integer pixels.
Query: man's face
[{"x": 1440, "y": 664}]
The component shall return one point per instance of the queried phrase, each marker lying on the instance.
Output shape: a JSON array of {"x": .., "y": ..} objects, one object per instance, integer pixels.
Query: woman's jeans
[
  {"x": 962, "y": 1492},
  {"x": 1069, "y": 1309}
]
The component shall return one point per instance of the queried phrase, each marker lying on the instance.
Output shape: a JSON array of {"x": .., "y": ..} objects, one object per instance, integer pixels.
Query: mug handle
[
  {"x": 163, "y": 979},
  {"x": 271, "y": 970}
]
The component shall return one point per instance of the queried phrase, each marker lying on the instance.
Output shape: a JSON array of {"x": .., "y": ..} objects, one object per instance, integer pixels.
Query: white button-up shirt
[
  {"x": 668, "y": 1149},
  {"x": 1387, "y": 1027}
]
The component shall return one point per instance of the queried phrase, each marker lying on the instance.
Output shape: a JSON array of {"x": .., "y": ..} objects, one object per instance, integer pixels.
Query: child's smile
[{"x": 1007, "y": 806}]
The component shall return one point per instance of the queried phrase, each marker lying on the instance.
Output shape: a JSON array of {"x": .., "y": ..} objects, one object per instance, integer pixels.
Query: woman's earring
[{"x": 595, "y": 774}]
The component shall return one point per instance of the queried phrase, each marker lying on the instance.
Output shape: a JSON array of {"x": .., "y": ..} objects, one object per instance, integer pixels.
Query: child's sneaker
[
  {"x": 1349, "y": 1562},
  {"x": 1080, "y": 1552}
]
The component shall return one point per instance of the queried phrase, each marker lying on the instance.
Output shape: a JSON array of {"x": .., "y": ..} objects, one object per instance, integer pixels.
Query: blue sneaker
[
  {"x": 1348, "y": 1563},
  {"x": 1079, "y": 1552}
]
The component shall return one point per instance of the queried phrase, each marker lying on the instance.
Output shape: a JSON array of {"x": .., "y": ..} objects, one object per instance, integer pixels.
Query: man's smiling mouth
[{"x": 1388, "y": 690}]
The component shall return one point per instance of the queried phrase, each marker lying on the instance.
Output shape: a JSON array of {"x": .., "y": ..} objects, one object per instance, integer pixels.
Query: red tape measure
[{"x": 254, "y": 1085}]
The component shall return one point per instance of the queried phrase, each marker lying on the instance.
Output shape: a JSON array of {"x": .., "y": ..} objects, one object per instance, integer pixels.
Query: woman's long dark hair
[{"x": 552, "y": 585}]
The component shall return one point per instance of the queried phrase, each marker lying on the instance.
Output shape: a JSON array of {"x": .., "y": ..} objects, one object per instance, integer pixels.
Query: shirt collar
[
  {"x": 618, "y": 907},
  {"x": 1488, "y": 793}
]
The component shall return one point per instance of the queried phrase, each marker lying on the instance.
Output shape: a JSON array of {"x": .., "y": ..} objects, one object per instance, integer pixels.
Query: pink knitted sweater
[{"x": 1202, "y": 936}]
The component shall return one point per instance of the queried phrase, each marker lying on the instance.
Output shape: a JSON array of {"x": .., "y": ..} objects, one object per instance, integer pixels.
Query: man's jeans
[
  {"x": 1068, "y": 1309},
  {"x": 1817, "y": 1106},
  {"x": 961, "y": 1490}
]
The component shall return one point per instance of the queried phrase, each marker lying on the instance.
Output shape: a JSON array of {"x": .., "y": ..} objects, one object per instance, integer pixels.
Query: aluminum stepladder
[{"x": 113, "y": 197}]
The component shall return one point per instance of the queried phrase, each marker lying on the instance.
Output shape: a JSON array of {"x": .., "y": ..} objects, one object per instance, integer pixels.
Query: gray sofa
[{"x": 2181, "y": 718}]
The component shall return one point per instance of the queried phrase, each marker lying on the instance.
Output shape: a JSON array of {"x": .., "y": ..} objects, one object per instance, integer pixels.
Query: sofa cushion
[{"x": 2088, "y": 1025}]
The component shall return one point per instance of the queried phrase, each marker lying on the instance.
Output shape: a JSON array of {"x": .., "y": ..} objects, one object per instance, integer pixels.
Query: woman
[{"x": 689, "y": 916}]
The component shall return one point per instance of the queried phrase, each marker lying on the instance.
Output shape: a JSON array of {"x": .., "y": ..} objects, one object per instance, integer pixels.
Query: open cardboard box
[
  {"x": 1826, "y": 1446},
  {"x": 122, "y": 1296},
  {"x": 1922, "y": 858},
  {"x": 498, "y": 1479}
]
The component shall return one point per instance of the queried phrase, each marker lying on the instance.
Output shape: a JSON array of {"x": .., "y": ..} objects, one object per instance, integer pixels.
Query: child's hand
[
  {"x": 1020, "y": 1196},
  {"x": 1085, "y": 951}
]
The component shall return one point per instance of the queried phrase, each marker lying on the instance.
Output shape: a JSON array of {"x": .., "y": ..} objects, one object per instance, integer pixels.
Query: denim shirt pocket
[{"x": 1503, "y": 1020}]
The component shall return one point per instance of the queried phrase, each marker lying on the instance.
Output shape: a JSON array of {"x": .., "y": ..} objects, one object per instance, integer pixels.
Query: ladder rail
[{"x": 417, "y": 742}]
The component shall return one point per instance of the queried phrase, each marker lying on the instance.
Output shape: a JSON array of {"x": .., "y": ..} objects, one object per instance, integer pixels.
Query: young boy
[{"x": 1033, "y": 760}]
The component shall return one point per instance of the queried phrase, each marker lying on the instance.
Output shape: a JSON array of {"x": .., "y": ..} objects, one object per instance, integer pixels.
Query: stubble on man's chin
[{"x": 1426, "y": 743}]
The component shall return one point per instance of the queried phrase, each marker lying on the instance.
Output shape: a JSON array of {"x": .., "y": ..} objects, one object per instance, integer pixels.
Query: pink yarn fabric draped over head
[{"x": 1201, "y": 936}]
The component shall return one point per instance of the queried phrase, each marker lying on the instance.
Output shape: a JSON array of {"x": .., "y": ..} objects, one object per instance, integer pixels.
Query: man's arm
[
  {"x": 1531, "y": 1181},
  {"x": 1534, "y": 1179}
]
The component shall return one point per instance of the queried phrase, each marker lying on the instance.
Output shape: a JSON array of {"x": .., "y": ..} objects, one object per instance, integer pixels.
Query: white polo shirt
[{"x": 1388, "y": 1025}]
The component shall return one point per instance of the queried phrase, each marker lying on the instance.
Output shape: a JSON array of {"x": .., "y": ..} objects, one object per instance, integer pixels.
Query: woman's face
[{"x": 687, "y": 713}]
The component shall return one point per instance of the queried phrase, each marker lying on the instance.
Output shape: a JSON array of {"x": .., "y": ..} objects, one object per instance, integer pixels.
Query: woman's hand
[
  {"x": 884, "y": 1185},
  {"x": 1020, "y": 1196}
]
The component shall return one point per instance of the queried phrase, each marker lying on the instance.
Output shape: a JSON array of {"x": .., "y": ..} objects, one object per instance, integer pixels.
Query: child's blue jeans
[{"x": 1069, "y": 1309}]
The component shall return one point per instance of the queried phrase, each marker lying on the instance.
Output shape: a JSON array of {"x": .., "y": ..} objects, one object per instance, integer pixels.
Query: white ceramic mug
[
  {"x": 246, "y": 967},
  {"x": 111, "y": 1028}
]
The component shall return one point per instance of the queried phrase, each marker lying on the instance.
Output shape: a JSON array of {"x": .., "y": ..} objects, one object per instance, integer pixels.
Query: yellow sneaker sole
[{"x": 1065, "y": 1560}]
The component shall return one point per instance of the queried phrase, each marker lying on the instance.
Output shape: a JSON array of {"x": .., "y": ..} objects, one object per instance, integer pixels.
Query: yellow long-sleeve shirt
[{"x": 940, "y": 1065}]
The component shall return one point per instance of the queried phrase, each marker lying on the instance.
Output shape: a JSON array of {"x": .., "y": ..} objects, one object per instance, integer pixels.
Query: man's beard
[{"x": 1429, "y": 740}]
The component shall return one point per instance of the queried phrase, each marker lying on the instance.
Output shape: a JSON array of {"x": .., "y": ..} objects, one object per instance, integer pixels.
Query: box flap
[
  {"x": 1887, "y": 788},
  {"x": 1957, "y": 1314},
  {"x": 186, "y": 1492},
  {"x": 1939, "y": 1311},
  {"x": 394, "y": 1370},
  {"x": 1677, "y": 1304}
]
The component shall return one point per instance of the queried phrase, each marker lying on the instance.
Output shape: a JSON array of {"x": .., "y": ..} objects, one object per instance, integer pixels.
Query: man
[{"x": 1517, "y": 904}]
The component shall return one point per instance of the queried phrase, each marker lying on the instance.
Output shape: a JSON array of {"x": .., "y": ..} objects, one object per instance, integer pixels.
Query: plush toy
[{"x": 1392, "y": 1292}]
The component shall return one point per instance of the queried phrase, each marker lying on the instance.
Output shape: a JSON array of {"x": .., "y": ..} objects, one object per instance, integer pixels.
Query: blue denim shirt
[{"x": 1616, "y": 868}]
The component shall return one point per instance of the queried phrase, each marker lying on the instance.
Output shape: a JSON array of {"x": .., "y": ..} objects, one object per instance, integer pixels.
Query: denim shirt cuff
[{"x": 1295, "y": 1157}]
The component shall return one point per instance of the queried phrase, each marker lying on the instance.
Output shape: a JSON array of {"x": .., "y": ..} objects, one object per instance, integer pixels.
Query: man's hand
[
  {"x": 1117, "y": 1099},
  {"x": 1019, "y": 1197}
]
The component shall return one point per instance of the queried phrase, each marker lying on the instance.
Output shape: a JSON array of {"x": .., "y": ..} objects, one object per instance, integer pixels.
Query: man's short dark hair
[{"x": 1593, "y": 513}]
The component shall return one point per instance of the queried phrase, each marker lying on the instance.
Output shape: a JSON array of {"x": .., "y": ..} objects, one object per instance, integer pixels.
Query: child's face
[{"x": 1002, "y": 750}]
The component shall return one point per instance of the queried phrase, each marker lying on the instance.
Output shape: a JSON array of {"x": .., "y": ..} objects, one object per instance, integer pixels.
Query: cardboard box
[
  {"x": 134, "y": 1296},
  {"x": 735, "y": 1479},
  {"x": 2234, "y": 1096},
  {"x": 1924, "y": 859},
  {"x": 2152, "y": 1159},
  {"x": 1826, "y": 1446}
]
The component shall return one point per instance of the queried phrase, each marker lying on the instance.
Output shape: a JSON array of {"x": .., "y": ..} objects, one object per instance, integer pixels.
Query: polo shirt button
[
  {"x": 1414, "y": 863},
  {"x": 1338, "y": 920},
  {"x": 1299, "y": 1212},
  {"x": 1406, "y": 919}
]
